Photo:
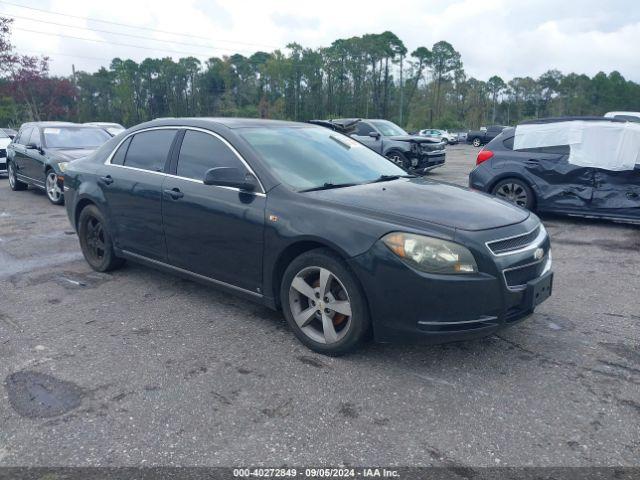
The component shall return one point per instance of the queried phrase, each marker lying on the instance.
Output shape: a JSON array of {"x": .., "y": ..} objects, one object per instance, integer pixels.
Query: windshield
[
  {"x": 74, "y": 137},
  {"x": 306, "y": 158},
  {"x": 388, "y": 129},
  {"x": 3, "y": 134}
]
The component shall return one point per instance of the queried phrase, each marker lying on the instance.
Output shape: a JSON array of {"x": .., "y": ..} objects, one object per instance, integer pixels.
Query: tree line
[{"x": 369, "y": 76}]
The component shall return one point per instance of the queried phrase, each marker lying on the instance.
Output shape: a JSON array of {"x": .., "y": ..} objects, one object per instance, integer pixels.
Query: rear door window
[
  {"x": 200, "y": 152},
  {"x": 118, "y": 157},
  {"x": 149, "y": 150},
  {"x": 554, "y": 150}
]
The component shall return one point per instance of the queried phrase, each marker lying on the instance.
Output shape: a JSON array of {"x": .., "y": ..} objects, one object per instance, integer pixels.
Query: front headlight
[
  {"x": 431, "y": 255},
  {"x": 63, "y": 166}
]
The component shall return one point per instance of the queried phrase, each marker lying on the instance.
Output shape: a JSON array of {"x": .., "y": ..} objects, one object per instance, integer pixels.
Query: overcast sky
[{"x": 505, "y": 37}]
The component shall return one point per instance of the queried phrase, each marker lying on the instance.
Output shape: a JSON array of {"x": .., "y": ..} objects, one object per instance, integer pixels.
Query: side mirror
[
  {"x": 230, "y": 177},
  {"x": 33, "y": 146},
  {"x": 375, "y": 135}
]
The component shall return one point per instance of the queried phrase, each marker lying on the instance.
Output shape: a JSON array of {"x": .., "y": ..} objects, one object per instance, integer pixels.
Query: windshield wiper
[
  {"x": 388, "y": 178},
  {"x": 328, "y": 186}
]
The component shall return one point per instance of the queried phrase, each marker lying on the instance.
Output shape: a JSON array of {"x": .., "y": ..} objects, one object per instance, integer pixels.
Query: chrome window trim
[
  {"x": 135, "y": 256},
  {"x": 196, "y": 129},
  {"x": 534, "y": 244}
]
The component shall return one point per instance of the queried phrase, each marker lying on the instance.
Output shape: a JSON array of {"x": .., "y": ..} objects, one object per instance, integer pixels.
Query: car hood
[
  {"x": 413, "y": 138},
  {"x": 4, "y": 142},
  {"x": 68, "y": 154},
  {"x": 427, "y": 201}
]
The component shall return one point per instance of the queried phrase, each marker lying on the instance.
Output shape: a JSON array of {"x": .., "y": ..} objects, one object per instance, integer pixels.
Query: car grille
[
  {"x": 514, "y": 243},
  {"x": 3, "y": 153},
  {"x": 432, "y": 147},
  {"x": 519, "y": 276}
]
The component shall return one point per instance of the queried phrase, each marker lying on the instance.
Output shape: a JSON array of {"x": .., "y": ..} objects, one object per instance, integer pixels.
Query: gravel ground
[{"x": 141, "y": 368}]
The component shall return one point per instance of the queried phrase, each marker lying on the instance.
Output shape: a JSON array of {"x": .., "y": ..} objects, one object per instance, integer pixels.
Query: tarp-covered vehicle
[{"x": 586, "y": 166}]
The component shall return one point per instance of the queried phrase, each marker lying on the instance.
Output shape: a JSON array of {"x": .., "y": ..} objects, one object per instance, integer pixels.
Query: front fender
[{"x": 402, "y": 147}]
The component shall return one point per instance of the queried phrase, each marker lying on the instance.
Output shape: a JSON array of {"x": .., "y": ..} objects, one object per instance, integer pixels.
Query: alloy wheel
[
  {"x": 53, "y": 190},
  {"x": 95, "y": 239},
  {"x": 395, "y": 158},
  {"x": 12, "y": 176},
  {"x": 476, "y": 142},
  {"x": 514, "y": 193},
  {"x": 320, "y": 305}
]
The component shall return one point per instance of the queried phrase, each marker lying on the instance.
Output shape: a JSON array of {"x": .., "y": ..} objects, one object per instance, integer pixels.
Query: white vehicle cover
[{"x": 599, "y": 144}]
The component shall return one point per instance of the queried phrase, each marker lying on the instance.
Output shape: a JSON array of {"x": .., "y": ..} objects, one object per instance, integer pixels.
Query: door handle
[
  {"x": 632, "y": 195},
  {"x": 106, "y": 180},
  {"x": 532, "y": 161},
  {"x": 174, "y": 193}
]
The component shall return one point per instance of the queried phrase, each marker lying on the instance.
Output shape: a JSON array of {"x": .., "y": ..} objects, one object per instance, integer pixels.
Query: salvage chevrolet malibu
[{"x": 307, "y": 220}]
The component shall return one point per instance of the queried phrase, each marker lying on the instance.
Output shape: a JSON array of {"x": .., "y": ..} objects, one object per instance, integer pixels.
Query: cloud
[
  {"x": 293, "y": 22},
  {"x": 493, "y": 36}
]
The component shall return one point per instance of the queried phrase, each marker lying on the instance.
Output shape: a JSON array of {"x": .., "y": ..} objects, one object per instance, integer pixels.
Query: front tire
[
  {"x": 400, "y": 159},
  {"x": 54, "y": 193},
  {"x": 96, "y": 241},
  {"x": 324, "y": 304},
  {"x": 476, "y": 142},
  {"x": 515, "y": 191},
  {"x": 15, "y": 184}
]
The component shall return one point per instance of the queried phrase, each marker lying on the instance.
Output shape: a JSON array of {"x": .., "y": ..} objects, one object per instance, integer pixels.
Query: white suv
[
  {"x": 5, "y": 140},
  {"x": 450, "y": 138}
]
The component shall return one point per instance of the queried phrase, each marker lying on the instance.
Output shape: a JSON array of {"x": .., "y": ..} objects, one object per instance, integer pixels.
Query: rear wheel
[
  {"x": 323, "y": 303},
  {"x": 95, "y": 240},
  {"x": 14, "y": 183},
  {"x": 54, "y": 192},
  {"x": 515, "y": 191},
  {"x": 476, "y": 142}
]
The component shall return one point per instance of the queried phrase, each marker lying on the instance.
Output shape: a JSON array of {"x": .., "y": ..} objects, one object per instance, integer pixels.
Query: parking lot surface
[{"x": 137, "y": 367}]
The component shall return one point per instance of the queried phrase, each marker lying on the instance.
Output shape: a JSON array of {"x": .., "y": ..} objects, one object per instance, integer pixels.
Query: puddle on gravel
[
  {"x": 38, "y": 395},
  {"x": 66, "y": 279}
]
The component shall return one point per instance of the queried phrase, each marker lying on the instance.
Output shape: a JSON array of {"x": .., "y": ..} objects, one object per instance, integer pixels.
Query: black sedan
[
  {"x": 542, "y": 179},
  {"x": 41, "y": 151},
  {"x": 307, "y": 220}
]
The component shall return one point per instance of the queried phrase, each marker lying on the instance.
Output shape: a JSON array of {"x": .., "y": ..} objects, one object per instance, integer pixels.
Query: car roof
[
  {"x": 572, "y": 119},
  {"x": 50, "y": 124},
  {"x": 228, "y": 122}
]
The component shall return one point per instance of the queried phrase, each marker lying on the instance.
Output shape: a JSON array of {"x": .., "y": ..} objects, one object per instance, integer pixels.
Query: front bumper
[
  {"x": 409, "y": 306},
  {"x": 424, "y": 162}
]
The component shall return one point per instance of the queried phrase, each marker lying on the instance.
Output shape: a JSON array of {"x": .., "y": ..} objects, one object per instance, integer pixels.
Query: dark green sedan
[{"x": 41, "y": 151}]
